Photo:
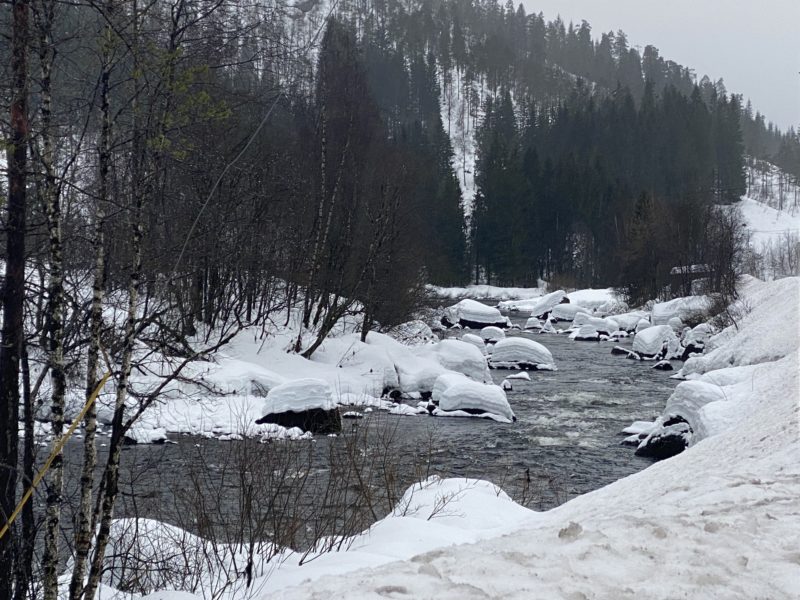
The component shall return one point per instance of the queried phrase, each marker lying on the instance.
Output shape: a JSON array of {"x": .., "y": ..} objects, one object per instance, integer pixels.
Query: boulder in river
[
  {"x": 473, "y": 314},
  {"x": 304, "y": 403},
  {"x": 669, "y": 437},
  {"x": 521, "y": 353}
]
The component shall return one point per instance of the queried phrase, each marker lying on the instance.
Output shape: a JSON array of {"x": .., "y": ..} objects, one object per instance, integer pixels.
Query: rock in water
[
  {"x": 667, "y": 439},
  {"x": 304, "y": 403},
  {"x": 521, "y": 353}
]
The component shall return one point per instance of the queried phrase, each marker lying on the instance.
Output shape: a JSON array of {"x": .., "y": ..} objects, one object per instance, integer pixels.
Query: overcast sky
[{"x": 754, "y": 45}]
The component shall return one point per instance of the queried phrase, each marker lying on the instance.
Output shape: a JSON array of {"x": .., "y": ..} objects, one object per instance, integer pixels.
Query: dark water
[{"x": 565, "y": 442}]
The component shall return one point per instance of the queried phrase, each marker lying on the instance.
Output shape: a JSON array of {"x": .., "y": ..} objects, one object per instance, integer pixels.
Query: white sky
[{"x": 754, "y": 45}]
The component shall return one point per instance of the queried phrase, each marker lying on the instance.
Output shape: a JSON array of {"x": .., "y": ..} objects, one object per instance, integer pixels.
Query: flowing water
[{"x": 565, "y": 442}]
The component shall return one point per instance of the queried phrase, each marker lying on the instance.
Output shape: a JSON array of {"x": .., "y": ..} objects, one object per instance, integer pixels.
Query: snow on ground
[
  {"x": 487, "y": 292},
  {"x": 768, "y": 224},
  {"x": 720, "y": 520}
]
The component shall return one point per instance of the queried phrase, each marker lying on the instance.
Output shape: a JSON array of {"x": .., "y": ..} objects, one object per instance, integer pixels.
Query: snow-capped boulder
[
  {"x": 304, "y": 403},
  {"x": 658, "y": 341},
  {"x": 472, "y": 398},
  {"x": 676, "y": 323},
  {"x": 642, "y": 325},
  {"x": 142, "y": 434},
  {"x": 663, "y": 365},
  {"x": 533, "y": 323},
  {"x": 565, "y": 312},
  {"x": 521, "y": 353},
  {"x": 492, "y": 335},
  {"x": 585, "y": 333},
  {"x": 443, "y": 382},
  {"x": 464, "y": 358},
  {"x": 473, "y": 314},
  {"x": 546, "y": 304},
  {"x": 669, "y": 436},
  {"x": 695, "y": 340},
  {"x": 475, "y": 340},
  {"x": 547, "y": 327},
  {"x": 629, "y": 320}
]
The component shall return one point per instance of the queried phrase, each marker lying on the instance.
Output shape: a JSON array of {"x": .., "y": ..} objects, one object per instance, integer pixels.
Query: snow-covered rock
[
  {"x": 473, "y": 314},
  {"x": 533, "y": 323},
  {"x": 629, "y": 320},
  {"x": 521, "y": 353},
  {"x": 304, "y": 403},
  {"x": 140, "y": 433},
  {"x": 472, "y": 398},
  {"x": 547, "y": 303},
  {"x": 676, "y": 323},
  {"x": 642, "y": 325},
  {"x": 492, "y": 334},
  {"x": 658, "y": 341},
  {"x": 565, "y": 312},
  {"x": 475, "y": 340},
  {"x": 464, "y": 358}
]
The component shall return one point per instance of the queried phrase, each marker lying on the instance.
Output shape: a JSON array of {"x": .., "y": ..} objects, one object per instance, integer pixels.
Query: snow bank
[
  {"x": 471, "y": 397},
  {"x": 486, "y": 292},
  {"x": 662, "y": 312},
  {"x": 521, "y": 353},
  {"x": 470, "y": 313}
]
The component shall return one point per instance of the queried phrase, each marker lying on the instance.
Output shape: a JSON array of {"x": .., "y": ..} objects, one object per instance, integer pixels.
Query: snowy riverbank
[{"x": 719, "y": 520}]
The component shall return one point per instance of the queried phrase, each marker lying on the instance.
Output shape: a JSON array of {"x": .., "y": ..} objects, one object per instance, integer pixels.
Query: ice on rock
[
  {"x": 299, "y": 395},
  {"x": 658, "y": 341},
  {"x": 475, "y": 340},
  {"x": 473, "y": 314},
  {"x": 472, "y": 398},
  {"x": 521, "y": 353},
  {"x": 492, "y": 334}
]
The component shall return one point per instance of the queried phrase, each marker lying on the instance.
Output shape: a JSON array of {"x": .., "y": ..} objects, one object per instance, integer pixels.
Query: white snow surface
[
  {"x": 299, "y": 395},
  {"x": 655, "y": 339},
  {"x": 486, "y": 292},
  {"x": 477, "y": 312},
  {"x": 492, "y": 334},
  {"x": 768, "y": 224},
  {"x": 475, "y": 340},
  {"x": 466, "y": 394},
  {"x": 662, "y": 312},
  {"x": 512, "y": 351},
  {"x": 720, "y": 520}
]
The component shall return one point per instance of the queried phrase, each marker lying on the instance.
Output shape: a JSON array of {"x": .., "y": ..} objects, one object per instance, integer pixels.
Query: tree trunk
[
  {"x": 13, "y": 289},
  {"x": 84, "y": 526},
  {"x": 55, "y": 307}
]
